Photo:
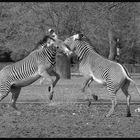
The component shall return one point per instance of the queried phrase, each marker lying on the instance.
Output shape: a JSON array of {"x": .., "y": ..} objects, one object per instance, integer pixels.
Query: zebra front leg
[
  {"x": 87, "y": 84},
  {"x": 46, "y": 76},
  {"x": 95, "y": 97},
  {"x": 53, "y": 73},
  {"x": 49, "y": 88}
]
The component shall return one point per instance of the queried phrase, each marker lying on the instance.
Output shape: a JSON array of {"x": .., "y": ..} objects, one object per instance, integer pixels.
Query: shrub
[{"x": 19, "y": 55}]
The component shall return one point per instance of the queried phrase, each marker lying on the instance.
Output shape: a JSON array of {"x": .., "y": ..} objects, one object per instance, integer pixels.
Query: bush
[
  {"x": 19, "y": 55},
  {"x": 5, "y": 55}
]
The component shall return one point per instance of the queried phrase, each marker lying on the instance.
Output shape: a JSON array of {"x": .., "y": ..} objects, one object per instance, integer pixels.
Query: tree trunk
[
  {"x": 112, "y": 45},
  {"x": 63, "y": 66}
]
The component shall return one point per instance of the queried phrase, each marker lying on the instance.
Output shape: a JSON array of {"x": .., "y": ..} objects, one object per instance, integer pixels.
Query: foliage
[
  {"x": 5, "y": 55},
  {"x": 23, "y": 24},
  {"x": 18, "y": 55}
]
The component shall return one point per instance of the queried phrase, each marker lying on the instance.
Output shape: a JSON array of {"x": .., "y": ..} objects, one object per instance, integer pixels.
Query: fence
[{"x": 133, "y": 68}]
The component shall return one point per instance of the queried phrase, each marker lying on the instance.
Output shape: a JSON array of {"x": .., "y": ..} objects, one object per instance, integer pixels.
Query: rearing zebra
[
  {"x": 106, "y": 72},
  {"x": 38, "y": 64}
]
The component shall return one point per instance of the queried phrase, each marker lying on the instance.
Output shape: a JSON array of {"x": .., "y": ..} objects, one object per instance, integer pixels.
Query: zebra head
[
  {"x": 70, "y": 42},
  {"x": 46, "y": 41},
  {"x": 59, "y": 43},
  {"x": 50, "y": 42}
]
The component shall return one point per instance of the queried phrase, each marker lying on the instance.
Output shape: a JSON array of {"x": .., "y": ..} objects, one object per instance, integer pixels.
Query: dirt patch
[{"x": 68, "y": 120}]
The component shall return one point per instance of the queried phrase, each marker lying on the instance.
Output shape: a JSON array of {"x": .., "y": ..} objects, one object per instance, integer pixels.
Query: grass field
[
  {"x": 69, "y": 116},
  {"x": 69, "y": 91}
]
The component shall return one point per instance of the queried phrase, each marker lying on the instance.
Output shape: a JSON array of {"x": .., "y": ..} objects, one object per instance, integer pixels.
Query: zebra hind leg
[
  {"x": 128, "y": 97},
  {"x": 114, "y": 103},
  {"x": 3, "y": 95},
  {"x": 51, "y": 92},
  {"x": 15, "y": 93}
]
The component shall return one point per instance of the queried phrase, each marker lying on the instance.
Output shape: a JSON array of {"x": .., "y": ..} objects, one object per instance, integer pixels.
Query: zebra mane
[
  {"x": 42, "y": 42},
  {"x": 86, "y": 39}
]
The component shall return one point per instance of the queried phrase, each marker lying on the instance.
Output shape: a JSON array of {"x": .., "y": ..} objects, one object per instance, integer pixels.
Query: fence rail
[{"x": 133, "y": 68}]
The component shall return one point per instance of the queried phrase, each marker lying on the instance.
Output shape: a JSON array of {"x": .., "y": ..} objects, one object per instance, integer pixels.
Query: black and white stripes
[
  {"x": 28, "y": 66},
  {"x": 109, "y": 73}
]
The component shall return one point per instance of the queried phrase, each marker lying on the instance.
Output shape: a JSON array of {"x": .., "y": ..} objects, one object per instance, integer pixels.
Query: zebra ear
[{"x": 51, "y": 31}]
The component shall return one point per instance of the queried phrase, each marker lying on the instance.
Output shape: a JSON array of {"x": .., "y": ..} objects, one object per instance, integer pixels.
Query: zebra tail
[
  {"x": 127, "y": 75},
  {"x": 138, "y": 90}
]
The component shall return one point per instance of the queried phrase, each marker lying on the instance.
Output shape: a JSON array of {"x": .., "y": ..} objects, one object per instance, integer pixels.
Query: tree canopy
[{"x": 23, "y": 24}]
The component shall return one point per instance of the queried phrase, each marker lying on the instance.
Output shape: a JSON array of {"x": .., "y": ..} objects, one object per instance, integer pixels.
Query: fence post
[{"x": 63, "y": 66}]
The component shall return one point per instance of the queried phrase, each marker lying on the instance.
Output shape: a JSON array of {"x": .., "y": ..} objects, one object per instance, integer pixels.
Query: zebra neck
[
  {"x": 49, "y": 54},
  {"x": 83, "y": 54},
  {"x": 84, "y": 50}
]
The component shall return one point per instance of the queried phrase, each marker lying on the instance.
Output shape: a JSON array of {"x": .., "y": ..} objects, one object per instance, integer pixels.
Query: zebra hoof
[
  {"x": 49, "y": 88},
  {"x": 107, "y": 115},
  {"x": 82, "y": 90},
  {"x": 17, "y": 112},
  {"x": 128, "y": 115},
  {"x": 52, "y": 103},
  {"x": 51, "y": 96},
  {"x": 95, "y": 97},
  {"x": 89, "y": 103}
]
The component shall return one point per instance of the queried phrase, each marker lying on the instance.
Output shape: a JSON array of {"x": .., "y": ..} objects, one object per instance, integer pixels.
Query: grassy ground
[
  {"x": 68, "y": 91},
  {"x": 69, "y": 116}
]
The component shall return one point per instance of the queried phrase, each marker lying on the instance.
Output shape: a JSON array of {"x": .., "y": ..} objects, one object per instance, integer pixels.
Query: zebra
[
  {"x": 58, "y": 42},
  {"x": 38, "y": 64},
  {"x": 102, "y": 70}
]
